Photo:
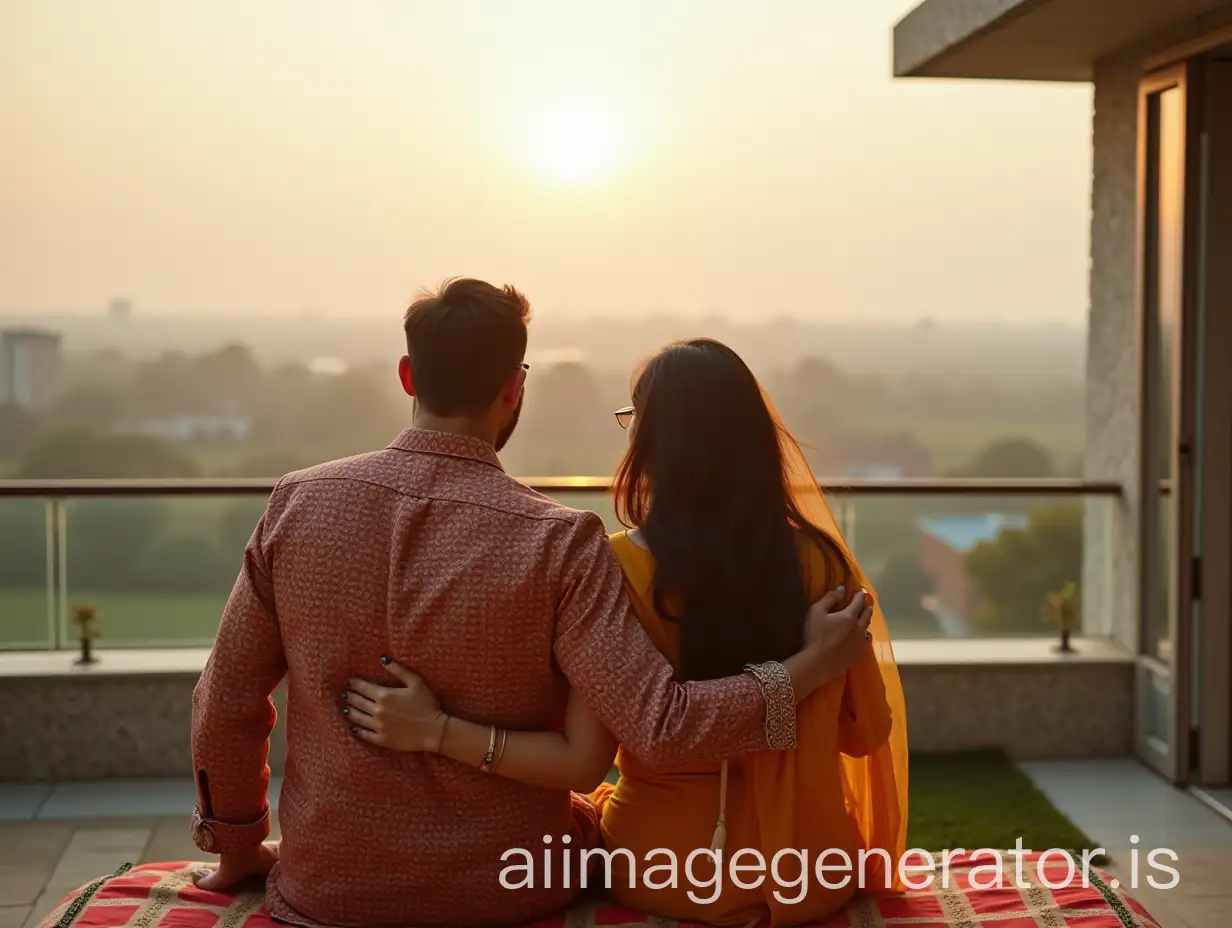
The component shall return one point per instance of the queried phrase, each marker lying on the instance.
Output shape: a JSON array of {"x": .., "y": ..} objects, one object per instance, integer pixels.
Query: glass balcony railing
[
  {"x": 27, "y": 601},
  {"x": 158, "y": 570},
  {"x": 157, "y": 559},
  {"x": 981, "y": 562}
]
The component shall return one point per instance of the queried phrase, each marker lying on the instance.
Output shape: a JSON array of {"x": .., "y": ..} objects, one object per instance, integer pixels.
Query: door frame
[
  {"x": 1172, "y": 756},
  {"x": 1213, "y": 692}
]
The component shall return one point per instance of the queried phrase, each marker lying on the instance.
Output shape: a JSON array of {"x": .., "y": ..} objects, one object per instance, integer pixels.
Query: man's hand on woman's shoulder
[{"x": 838, "y": 636}]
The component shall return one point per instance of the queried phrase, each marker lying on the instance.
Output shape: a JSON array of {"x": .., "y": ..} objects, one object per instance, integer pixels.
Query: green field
[{"x": 125, "y": 620}]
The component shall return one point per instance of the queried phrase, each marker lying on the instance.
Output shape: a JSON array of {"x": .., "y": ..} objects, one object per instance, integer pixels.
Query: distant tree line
[
  {"x": 105, "y": 421},
  {"x": 299, "y": 417}
]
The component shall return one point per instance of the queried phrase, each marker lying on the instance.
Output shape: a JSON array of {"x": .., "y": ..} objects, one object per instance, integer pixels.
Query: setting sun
[{"x": 578, "y": 142}]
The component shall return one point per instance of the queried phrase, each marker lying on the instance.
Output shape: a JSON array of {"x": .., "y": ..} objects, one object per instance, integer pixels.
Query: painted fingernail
[
  {"x": 345, "y": 694},
  {"x": 384, "y": 660},
  {"x": 346, "y": 710},
  {"x": 354, "y": 729},
  {"x": 840, "y": 589}
]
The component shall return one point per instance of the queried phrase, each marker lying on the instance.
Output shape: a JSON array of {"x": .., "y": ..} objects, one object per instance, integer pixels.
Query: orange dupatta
[{"x": 875, "y": 786}]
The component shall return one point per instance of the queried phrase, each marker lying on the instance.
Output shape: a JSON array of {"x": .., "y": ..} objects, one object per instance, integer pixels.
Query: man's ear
[
  {"x": 511, "y": 392},
  {"x": 404, "y": 375}
]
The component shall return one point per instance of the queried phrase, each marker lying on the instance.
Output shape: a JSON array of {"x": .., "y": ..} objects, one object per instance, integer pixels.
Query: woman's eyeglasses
[{"x": 625, "y": 417}]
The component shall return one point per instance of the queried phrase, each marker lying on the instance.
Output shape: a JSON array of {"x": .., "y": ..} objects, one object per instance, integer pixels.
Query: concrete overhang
[{"x": 1034, "y": 40}]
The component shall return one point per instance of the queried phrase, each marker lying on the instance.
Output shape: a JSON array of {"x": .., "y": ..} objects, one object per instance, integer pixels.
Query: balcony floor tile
[
  {"x": 20, "y": 802},
  {"x": 1112, "y": 800},
  {"x": 14, "y": 916},
  {"x": 94, "y": 852},
  {"x": 29, "y": 855},
  {"x": 119, "y": 799}
]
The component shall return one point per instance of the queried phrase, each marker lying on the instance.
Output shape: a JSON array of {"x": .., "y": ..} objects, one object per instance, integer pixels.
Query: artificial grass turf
[{"x": 980, "y": 799}]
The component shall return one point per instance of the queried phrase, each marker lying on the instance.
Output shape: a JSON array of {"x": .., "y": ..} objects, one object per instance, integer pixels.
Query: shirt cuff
[
  {"x": 216, "y": 837},
  {"x": 776, "y": 690}
]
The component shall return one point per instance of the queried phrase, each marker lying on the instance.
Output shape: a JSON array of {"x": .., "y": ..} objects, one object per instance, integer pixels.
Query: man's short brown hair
[{"x": 464, "y": 341}]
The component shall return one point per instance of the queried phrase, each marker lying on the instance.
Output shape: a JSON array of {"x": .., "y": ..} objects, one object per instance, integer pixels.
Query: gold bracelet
[
  {"x": 500, "y": 752},
  {"x": 486, "y": 766}
]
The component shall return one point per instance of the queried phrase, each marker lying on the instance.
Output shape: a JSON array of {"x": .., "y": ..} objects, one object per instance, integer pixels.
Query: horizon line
[{"x": 8, "y": 315}]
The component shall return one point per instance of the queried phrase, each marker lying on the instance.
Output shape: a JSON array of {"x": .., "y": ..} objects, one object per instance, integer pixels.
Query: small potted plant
[
  {"x": 86, "y": 620},
  {"x": 1062, "y": 606}
]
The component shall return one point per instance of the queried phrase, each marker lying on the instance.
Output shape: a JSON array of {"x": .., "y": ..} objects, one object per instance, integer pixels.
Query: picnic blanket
[{"x": 162, "y": 895}]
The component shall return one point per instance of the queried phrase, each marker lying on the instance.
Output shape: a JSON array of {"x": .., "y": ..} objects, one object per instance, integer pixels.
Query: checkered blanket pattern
[{"x": 162, "y": 895}]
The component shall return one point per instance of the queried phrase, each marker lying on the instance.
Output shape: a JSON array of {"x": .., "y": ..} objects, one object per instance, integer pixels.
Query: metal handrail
[{"x": 244, "y": 486}]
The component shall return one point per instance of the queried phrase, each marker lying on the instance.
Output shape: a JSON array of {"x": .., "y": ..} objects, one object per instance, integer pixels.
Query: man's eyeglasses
[{"x": 624, "y": 417}]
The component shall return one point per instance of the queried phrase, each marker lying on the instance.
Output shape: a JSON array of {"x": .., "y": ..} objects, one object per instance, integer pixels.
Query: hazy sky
[{"x": 751, "y": 159}]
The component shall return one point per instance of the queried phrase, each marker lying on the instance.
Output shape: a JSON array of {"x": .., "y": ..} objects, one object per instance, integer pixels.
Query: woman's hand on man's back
[{"x": 402, "y": 718}]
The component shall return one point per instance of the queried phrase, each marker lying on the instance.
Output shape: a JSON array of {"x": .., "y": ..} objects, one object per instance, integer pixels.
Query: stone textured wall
[
  {"x": 104, "y": 727},
  {"x": 1113, "y": 377},
  {"x": 66, "y": 729},
  {"x": 1033, "y": 711}
]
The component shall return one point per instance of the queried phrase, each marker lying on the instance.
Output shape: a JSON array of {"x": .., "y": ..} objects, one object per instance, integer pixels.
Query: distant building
[
  {"x": 944, "y": 544},
  {"x": 328, "y": 367},
  {"x": 183, "y": 429},
  {"x": 120, "y": 310},
  {"x": 30, "y": 365},
  {"x": 874, "y": 457},
  {"x": 861, "y": 470}
]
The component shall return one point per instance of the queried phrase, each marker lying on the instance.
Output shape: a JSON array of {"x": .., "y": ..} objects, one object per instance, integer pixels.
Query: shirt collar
[{"x": 428, "y": 441}]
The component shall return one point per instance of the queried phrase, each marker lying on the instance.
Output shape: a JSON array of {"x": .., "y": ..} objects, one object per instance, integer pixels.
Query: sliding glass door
[{"x": 1166, "y": 291}]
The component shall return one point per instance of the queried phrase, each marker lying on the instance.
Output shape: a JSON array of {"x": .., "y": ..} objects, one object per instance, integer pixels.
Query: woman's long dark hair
[{"x": 705, "y": 481}]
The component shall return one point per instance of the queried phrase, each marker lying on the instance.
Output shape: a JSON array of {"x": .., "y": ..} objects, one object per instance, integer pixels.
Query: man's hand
[
  {"x": 234, "y": 867},
  {"x": 404, "y": 718},
  {"x": 839, "y": 636}
]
